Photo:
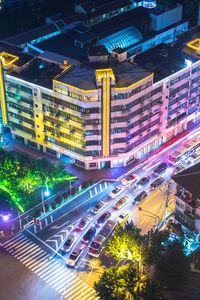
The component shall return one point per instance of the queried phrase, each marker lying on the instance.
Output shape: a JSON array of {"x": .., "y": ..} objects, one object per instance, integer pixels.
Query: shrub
[
  {"x": 37, "y": 213},
  {"x": 91, "y": 181},
  {"x": 85, "y": 184},
  {"x": 58, "y": 200},
  {"x": 53, "y": 205},
  {"x": 73, "y": 191},
  {"x": 65, "y": 195}
]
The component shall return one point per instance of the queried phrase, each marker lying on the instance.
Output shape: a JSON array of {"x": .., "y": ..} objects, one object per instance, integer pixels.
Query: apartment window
[{"x": 156, "y": 91}]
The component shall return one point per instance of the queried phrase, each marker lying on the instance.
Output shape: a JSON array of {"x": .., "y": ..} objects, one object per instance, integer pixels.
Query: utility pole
[{"x": 167, "y": 201}]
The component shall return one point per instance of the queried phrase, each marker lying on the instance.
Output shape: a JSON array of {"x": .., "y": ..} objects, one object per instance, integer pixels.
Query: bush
[
  {"x": 58, "y": 200},
  {"x": 53, "y": 205},
  {"x": 37, "y": 213},
  {"x": 65, "y": 195},
  {"x": 91, "y": 181},
  {"x": 47, "y": 207},
  {"x": 73, "y": 191},
  {"x": 85, "y": 184}
]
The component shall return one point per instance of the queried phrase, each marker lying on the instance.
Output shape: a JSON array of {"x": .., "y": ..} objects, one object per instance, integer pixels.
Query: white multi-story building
[{"x": 106, "y": 111}]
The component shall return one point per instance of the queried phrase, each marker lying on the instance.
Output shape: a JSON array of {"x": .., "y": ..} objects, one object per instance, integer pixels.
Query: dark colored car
[
  {"x": 143, "y": 181},
  {"x": 83, "y": 223},
  {"x": 103, "y": 218},
  {"x": 140, "y": 197},
  {"x": 160, "y": 169},
  {"x": 88, "y": 237},
  {"x": 156, "y": 183},
  {"x": 69, "y": 243}
]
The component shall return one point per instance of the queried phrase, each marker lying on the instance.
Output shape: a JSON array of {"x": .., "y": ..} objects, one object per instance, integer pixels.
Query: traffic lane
[
  {"x": 109, "y": 206},
  {"x": 150, "y": 211},
  {"x": 73, "y": 212}
]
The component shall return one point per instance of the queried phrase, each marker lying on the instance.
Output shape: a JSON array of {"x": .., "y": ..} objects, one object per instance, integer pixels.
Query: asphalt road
[{"x": 45, "y": 243}]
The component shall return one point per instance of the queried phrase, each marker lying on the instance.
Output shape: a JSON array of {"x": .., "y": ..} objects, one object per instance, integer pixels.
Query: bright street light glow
[{"x": 47, "y": 193}]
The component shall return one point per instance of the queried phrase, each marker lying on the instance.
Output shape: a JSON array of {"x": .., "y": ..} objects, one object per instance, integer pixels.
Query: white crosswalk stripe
[{"x": 54, "y": 273}]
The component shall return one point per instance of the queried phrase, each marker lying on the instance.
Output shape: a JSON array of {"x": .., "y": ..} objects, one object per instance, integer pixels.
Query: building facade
[
  {"x": 187, "y": 200},
  {"x": 104, "y": 117}
]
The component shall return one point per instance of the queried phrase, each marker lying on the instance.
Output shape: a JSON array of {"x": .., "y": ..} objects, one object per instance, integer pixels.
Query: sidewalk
[{"x": 85, "y": 175}]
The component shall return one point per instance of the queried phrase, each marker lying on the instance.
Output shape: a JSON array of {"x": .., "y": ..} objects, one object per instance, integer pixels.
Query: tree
[
  {"x": 126, "y": 243},
  {"x": 108, "y": 287},
  {"x": 173, "y": 266},
  {"x": 151, "y": 291},
  {"x": 85, "y": 184},
  {"x": 129, "y": 279},
  {"x": 156, "y": 243}
]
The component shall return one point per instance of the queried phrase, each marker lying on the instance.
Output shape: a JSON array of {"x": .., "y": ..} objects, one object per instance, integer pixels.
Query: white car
[
  {"x": 123, "y": 217},
  {"x": 116, "y": 191},
  {"x": 74, "y": 257},
  {"x": 129, "y": 179},
  {"x": 97, "y": 207}
]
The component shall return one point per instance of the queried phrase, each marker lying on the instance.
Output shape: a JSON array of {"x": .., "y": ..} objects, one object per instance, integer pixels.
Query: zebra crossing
[{"x": 58, "y": 276}]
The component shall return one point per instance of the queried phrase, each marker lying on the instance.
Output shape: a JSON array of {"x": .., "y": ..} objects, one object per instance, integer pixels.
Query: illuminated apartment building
[{"x": 104, "y": 111}]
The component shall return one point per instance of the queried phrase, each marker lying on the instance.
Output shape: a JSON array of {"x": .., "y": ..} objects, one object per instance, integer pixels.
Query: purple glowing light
[{"x": 5, "y": 217}]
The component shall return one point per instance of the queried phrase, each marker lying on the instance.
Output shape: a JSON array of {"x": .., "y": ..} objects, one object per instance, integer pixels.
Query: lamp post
[
  {"x": 152, "y": 215},
  {"x": 42, "y": 196}
]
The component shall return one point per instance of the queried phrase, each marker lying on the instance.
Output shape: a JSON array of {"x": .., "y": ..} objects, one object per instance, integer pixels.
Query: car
[
  {"x": 179, "y": 169},
  {"x": 74, "y": 257},
  {"x": 143, "y": 181},
  {"x": 123, "y": 218},
  {"x": 116, "y": 191},
  {"x": 98, "y": 207},
  {"x": 129, "y": 179},
  {"x": 83, "y": 223},
  {"x": 160, "y": 169},
  {"x": 103, "y": 218},
  {"x": 193, "y": 157},
  {"x": 156, "y": 183},
  {"x": 121, "y": 202},
  {"x": 140, "y": 197},
  {"x": 88, "y": 237},
  {"x": 69, "y": 243}
]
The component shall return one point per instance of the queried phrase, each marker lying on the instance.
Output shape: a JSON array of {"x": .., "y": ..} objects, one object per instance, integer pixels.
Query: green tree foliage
[
  {"x": 129, "y": 279},
  {"x": 172, "y": 266},
  {"x": 151, "y": 291},
  {"x": 109, "y": 285},
  {"x": 126, "y": 243},
  {"x": 21, "y": 174}
]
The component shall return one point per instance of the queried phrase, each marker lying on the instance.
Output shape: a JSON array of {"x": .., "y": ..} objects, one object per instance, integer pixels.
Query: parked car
[
  {"x": 179, "y": 169},
  {"x": 88, "y": 237},
  {"x": 140, "y": 197},
  {"x": 116, "y": 191},
  {"x": 123, "y": 218},
  {"x": 103, "y": 218},
  {"x": 121, "y": 202},
  {"x": 156, "y": 183},
  {"x": 74, "y": 257},
  {"x": 83, "y": 223},
  {"x": 69, "y": 243},
  {"x": 98, "y": 207},
  {"x": 161, "y": 168},
  {"x": 143, "y": 181},
  {"x": 129, "y": 179}
]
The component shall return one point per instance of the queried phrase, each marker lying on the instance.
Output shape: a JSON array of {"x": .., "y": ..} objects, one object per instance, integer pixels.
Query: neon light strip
[
  {"x": 104, "y": 116},
  {"x": 2, "y": 100},
  {"x": 108, "y": 112}
]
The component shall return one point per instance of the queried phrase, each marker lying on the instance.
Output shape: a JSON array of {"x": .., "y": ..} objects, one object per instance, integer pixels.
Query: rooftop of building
[
  {"x": 92, "y": 8},
  {"x": 189, "y": 179},
  {"x": 164, "y": 60},
  {"x": 17, "y": 51},
  {"x": 82, "y": 75},
  {"x": 39, "y": 72},
  {"x": 33, "y": 34}
]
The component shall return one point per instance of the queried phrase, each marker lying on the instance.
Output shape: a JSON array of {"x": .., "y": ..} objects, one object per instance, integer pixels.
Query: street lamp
[
  {"x": 42, "y": 196},
  {"x": 154, "y": 216}
]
